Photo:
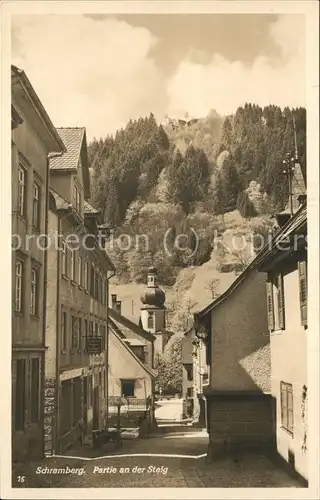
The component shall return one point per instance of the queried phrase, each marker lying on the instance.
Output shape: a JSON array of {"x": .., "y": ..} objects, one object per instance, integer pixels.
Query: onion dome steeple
[{"x": 153, "y": 294}]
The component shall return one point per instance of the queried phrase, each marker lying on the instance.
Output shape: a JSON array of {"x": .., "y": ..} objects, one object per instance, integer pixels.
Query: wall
[
  {"x": 27, "y": 330},
  {"x": 53, "y": 307},
  {"x": 240, "y": 338},
  {"x": 238, "y": 421},
  {"x": 159, "y": 318},
  {"x": 122, "y": 365},
  {"x": 289, "y": 364},
  {"x": 241, "y": 412},
  {"x": 61, "y": 183}
]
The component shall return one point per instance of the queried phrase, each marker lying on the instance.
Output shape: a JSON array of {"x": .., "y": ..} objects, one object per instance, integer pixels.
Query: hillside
[
  {"x": 167, "y": 192},
  {"x": 195, "y": 286}
]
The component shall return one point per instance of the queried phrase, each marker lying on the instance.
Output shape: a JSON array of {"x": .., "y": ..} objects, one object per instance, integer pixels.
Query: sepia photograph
[{"x": 162, "y": 323}]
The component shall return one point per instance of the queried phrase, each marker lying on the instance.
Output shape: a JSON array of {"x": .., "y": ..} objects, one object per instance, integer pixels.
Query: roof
[
  {"x": 295, "y": 225},
  {"x": 126, "y": 326},
  {"x": 72, "y": 138},
  {"x": 135, "y": 342},
  {"x": 295, "y": 222},
  {"x": 115, "y": 332},
  {"x": 89, "y": 209},
  {"x": 56, "y": 142}
]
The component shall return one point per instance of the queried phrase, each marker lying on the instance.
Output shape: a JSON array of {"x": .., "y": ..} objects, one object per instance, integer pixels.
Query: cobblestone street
[{"x": 114, "y": 471}]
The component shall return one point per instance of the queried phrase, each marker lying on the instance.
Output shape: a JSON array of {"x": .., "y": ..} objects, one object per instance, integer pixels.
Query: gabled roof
[
  {"x": 89, "y": 209},
  {"x": 126, "y": 326},
  {"x": 19, "y": 77},
  {"x": 295, "y": 225},
  {"x": 72, "y": 138},
  {"x": 120, "y": 338}
]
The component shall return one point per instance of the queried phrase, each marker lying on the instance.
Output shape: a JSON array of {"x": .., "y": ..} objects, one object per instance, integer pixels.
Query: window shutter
[
  {"x": 281, "y": 310},
  {"x": 270, "y": 306},
  {"x": 303, "y": 290}
]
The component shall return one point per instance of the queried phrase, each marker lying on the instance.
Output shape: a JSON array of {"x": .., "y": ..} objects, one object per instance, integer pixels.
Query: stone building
[
  {"x": 33, "y": 138},
  {"x": 77, "y": 301},
  {"x": 240, "y": 408}
]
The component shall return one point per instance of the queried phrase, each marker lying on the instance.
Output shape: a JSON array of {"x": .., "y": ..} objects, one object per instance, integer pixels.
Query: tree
[
  {"x": 219, "y": 196},
  {"x": 230, "y": 180},
  {"x": 212, "y": 286},
  {"x": 169, "y": 367},
  {"x": 245, "y": 205}
]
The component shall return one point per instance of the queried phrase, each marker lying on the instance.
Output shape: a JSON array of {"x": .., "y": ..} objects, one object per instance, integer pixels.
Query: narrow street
[{"x": 173, "y": 458}]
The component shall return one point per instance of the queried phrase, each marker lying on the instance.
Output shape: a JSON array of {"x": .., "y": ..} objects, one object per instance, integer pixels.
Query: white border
[{"x": 311, "y": 11}]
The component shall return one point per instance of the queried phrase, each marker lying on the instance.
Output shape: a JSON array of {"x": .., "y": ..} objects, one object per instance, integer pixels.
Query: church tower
[{"x": 153, "y": 311}]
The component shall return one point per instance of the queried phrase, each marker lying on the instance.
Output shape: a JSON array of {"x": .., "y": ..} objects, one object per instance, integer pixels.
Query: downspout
[
  {"x": 58, "y": 311},
  {"x": 107, "y": 349},
  {"x": 44, "y": 305}
]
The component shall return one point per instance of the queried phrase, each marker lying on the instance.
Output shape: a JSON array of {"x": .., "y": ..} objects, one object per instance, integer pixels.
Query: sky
[{"x": 99, "y": 71}]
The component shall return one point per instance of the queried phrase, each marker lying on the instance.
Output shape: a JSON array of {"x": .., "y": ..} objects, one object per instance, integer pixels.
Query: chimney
[
  {"x": 118, "y": 306},
  {"x": 113, "y": 300}
]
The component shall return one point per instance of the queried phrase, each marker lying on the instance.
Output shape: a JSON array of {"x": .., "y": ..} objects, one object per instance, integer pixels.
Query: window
[
  {"x": 73, "y": 264},
  {"x": 100, "y": 384},
  {"x": 190, "y": 392},
  {"x": 96, "y": 284},
  {"x": 63, "y": 331},
  {"x": 104, "y": 291},
  {"x": 92, "y": 280},
  {"x": 64, "y": 259},
  {"x": 19, "y": 285},
  {"x": 75, "y": 331},
  {"x": 150, "y": 320},
  {"x": 80, "y": 332},
  {"x": 270, "y": 306},
  {"x": 36, "y": 205},
  {"x": 91, "y": 328},
  {"x": 287, "y": 406},
  {"x": 86, "y": 276},
  {"x": 303, "y": 292},
  {"x": 22, "y": 191},
  {"x": 276, "y": 303},
  {"x": 189, "y": 370},
  {"x": 103, "y": 335},
  {"x": 76, "y": 199},
  {"x": 280, "y": 302},
  {"x": 34, "y": 292},
  {"x": 127, "y": 388},
  {"x": 90, "y": 381},
  {"x": 35, "y": 389},
  {"x": 80, "y": 275},
  {"x": 20, "y": 393}
]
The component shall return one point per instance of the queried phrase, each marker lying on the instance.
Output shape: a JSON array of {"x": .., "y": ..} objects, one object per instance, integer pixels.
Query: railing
[{"x": 126, "y": 404}]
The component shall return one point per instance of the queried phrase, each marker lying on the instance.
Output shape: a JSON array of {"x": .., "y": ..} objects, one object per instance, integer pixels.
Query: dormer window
[{"x": 76, "y": 199}]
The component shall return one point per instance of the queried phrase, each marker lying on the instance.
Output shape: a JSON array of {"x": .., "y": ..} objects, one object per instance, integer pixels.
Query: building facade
[
  {"x": 240, "y": 408},
  {"x": 195, "y": 377},
  {"x": 33, "y": 139},
  {"x": 140, "y": 341},
  {"x": 285, "y": 261},
  {"x": 76, "y": 388}
]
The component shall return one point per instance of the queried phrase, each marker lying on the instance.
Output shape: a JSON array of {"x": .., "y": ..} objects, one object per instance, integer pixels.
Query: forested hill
[{"x": 150, "y": 177}]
